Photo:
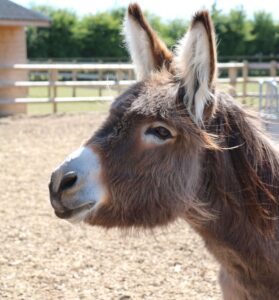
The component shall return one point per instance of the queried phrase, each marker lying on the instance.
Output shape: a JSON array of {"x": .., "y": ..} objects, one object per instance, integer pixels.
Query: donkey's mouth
[{"x": 71, "y": 213}]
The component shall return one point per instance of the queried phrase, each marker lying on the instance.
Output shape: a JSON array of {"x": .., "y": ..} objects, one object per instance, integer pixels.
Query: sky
[{"x": 179, "y": 9}]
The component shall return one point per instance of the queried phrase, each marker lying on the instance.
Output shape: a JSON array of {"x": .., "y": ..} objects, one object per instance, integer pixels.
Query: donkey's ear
[
  {"x": 196, "y": 64},
  {"x": 148, "y": 52}
]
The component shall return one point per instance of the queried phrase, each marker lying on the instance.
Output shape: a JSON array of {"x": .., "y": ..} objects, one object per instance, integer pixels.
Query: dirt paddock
[{"x": 42, "y": 257}]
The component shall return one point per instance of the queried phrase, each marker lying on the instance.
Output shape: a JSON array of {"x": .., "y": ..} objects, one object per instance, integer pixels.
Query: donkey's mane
[{"x": 245, "y": 172}]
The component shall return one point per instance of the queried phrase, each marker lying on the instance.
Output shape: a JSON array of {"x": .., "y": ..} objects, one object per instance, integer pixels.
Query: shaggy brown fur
[
  {"x": 223, "y": 179},
  {"x": 221, "y": 175}
]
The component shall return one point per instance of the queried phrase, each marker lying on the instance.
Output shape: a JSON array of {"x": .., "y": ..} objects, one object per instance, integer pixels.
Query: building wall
[{"x": 12, "y": 50}]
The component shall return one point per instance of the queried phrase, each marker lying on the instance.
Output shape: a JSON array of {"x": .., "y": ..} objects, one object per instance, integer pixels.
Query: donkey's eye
[{"x": 160, "y": 132}]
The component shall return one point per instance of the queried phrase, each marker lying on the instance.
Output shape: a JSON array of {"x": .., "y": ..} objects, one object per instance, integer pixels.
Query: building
[{"x": 13, "y": 49}]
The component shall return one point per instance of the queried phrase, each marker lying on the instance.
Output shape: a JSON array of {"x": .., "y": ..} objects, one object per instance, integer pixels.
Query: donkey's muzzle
[
  {"x": 62, "y": 187},
  {"x": 75, "y": 186}
]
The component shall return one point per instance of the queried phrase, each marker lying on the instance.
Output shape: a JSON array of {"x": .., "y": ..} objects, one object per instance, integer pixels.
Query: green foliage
[
  {"x": 233, "y": 31},
  {"x": 99, "y": 36},
  {"x": 264, "y": 34},
  {"x": 57, "y": 41}
]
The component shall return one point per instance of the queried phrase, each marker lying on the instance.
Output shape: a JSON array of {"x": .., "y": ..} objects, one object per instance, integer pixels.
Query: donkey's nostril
[{"x": 68, "y": 181}]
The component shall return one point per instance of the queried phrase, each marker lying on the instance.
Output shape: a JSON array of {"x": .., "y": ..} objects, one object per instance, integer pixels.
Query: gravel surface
[{"x": 42, "y": 257}]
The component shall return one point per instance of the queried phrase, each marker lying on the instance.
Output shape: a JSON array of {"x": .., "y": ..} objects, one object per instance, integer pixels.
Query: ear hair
[
  {"x": 148, "y": 52},
  {"x": 195, "y": 64}
]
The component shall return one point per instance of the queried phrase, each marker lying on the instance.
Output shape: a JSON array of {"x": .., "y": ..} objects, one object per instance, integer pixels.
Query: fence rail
[{"x": 119, "y": 76}]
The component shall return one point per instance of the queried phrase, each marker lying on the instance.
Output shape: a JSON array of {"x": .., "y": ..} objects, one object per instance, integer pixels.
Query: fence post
[
  {"x": 100, "y": 75},
  {"x": 130, "y": 74},
  {"x": 261, "y": 95},
  {"x": 245, "y": 71},
  {"x": 233, "y": 77},
  {"x": 49, "y": 87},
  {"x": 53, "y": 78},
  {"x": 118, "y": 78},
  {"x": 74, "y": 78},
  {"x": 273, "y": 68}
]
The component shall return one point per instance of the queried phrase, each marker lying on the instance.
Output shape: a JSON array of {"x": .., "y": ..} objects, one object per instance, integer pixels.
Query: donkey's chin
[{"x": 76, "y": 215}]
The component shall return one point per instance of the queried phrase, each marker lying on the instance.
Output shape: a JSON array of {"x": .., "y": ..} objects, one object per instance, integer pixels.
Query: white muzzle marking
[{"x": 88, "y": 189}]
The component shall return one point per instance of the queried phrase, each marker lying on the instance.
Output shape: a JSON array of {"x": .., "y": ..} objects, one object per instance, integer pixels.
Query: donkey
[{"x": 174, "y": 147}]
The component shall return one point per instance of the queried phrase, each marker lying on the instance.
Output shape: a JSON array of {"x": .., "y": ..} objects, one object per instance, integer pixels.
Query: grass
[
  {"x": 251, "y": 88},
  {"x": 47, "y": 108},
  {"x": 42, "y": 92}
]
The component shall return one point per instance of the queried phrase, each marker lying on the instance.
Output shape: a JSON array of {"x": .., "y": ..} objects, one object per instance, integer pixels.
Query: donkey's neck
[
  {"x": 249, "y": 262},
  {"x": 241, "y": 186}
]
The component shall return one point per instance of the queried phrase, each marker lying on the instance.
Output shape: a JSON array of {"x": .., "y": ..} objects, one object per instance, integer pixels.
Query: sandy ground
[{"x": 42, "y": 257}]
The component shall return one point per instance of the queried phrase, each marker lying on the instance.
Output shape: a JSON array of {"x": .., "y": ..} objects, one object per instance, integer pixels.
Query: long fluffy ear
[
  {"x": 195, "y": 64},
  {"x": 148, "y": 52}
]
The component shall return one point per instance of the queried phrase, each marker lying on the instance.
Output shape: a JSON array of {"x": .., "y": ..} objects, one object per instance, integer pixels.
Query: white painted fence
[{"x": 123, "y": 76}]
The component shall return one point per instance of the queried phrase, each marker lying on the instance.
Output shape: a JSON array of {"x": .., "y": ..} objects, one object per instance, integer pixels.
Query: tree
[
  {"x": 233, "y": 31},
  {"x": 100, "y": 35},
  {"x": 264, "y": 34},
  {"x": 58, "y": 41},
  {"x": 175, "y": 31}
]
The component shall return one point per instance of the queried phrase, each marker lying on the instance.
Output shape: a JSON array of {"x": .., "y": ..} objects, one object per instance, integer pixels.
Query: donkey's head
[{"x": 142, "y": 167}]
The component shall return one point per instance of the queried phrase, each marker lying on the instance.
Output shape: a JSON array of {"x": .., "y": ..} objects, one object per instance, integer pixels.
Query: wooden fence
[{"x": 120, "y": 76}]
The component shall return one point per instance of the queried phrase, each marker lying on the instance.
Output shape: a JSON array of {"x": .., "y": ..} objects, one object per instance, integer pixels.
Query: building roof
[{"x": 14, "y": 14}]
